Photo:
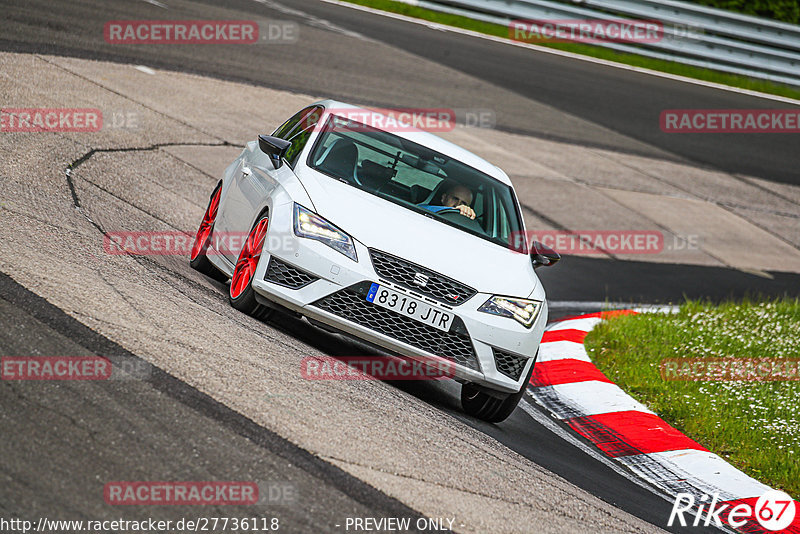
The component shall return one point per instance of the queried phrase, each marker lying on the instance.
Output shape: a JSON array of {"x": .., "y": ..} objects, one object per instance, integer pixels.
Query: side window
[
  {"x": 301, "y": 133},
  {"x": 286, "y": 129},
  {"x": 298, "y": 142},
  {"x": 287, "y": 126}
]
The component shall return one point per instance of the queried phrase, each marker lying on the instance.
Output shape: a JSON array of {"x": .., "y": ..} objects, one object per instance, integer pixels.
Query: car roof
[{"x": 429, "y": 140}]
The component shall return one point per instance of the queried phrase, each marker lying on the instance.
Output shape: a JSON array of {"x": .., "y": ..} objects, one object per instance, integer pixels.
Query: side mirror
[
  {"x": 542, "y": 255},
  {"x": 274, "y": 147}
]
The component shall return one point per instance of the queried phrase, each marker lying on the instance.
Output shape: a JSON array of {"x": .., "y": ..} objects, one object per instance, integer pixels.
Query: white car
[{"x": 400, "y": 239}]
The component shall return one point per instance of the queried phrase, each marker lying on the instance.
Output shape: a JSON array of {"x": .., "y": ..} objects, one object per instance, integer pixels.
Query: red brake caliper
[
  {"x": 200, "y": 240},
  {"x": 248, "y": 258}
]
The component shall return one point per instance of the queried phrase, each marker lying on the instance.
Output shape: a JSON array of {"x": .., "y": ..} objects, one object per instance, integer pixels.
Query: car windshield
[{"x": 417, "y": 178}]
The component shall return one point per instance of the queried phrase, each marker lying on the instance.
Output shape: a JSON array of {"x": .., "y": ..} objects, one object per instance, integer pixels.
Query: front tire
[
  {"x": 198, "y": 260},
  {"x": 242, "y": 296},
  {"x": 476, "y": 402}
]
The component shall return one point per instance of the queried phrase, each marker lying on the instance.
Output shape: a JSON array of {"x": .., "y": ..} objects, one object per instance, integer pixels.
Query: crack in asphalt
[
  {"x": 156, "y": 146},
  {"x": 148, "y": 263},
  {"x": 76, "y": 201}
]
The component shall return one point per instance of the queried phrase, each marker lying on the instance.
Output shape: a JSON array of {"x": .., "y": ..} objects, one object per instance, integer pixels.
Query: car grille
[
  {"x": 283, "y": 274},
  {"x": 438, "y": 287},
  {"x": 351, "y": 304},
  {"x": 509, "y": 364}
]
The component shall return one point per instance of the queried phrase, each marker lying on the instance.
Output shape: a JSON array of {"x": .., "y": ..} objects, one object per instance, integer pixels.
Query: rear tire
[
  {"x": 198, "y": 260},
  {"x": 242, "y": 296},
  {"x": 478, "y": 403}
]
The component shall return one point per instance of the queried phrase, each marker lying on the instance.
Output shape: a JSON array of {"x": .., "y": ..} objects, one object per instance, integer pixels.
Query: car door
[{"x": 257, "y": 177}]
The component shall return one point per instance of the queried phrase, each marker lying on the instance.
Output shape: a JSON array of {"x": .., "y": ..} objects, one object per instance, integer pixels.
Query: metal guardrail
[
  {"x": 693, "y": 35},
  {"x": 727, "y": 23}
]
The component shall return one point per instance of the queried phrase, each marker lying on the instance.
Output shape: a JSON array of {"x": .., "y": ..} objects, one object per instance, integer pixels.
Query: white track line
[
  {"x": 312, "y": 20},
  {"x": 571, "y": 55}
]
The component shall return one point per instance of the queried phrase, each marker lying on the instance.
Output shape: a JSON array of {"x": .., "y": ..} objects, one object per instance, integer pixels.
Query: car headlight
[
  {"x": 523, "y": 310},
  {"x": 311, "y": 226}
]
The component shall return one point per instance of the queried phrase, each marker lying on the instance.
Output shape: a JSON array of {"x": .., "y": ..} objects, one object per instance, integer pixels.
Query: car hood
[{"x": 380, "y": 224}]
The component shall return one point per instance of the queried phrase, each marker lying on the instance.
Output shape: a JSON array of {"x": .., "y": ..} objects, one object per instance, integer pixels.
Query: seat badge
[{"x": 421, "y": 280}]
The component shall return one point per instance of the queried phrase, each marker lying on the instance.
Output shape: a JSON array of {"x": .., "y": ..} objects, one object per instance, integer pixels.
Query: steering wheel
[{"x": 454, "y": 215}]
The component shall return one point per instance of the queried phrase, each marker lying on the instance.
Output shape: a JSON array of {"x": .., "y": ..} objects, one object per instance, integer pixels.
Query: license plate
[{"x": 410, "y": 307}]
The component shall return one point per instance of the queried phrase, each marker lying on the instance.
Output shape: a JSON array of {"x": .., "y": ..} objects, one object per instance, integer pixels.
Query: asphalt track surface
[
  {"x": 625, "y": 102},
  {"x": 68, "y": 439},
  {"x": 551, "y": 97},
  {"x": 64, "y": 441},
  {"x": 229, "y": 442}
]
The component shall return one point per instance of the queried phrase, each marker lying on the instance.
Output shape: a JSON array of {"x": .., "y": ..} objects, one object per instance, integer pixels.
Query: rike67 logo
[{"x": 774, "y": 511}]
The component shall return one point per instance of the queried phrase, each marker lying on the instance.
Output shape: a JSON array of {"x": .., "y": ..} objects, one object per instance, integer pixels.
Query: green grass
[
  {"x": 755, "y": 425},
  {"x": 670, "y": 67}
]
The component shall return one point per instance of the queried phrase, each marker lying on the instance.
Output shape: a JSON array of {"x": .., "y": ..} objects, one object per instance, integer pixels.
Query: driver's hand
[{"x": 466, "y": 211}]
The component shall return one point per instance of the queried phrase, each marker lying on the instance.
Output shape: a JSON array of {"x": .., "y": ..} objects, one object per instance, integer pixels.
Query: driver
[{"x": 455, "y": 196}]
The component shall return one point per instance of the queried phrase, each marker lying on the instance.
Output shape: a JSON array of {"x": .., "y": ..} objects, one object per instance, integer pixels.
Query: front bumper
[{"x": 322, "y": 284}]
